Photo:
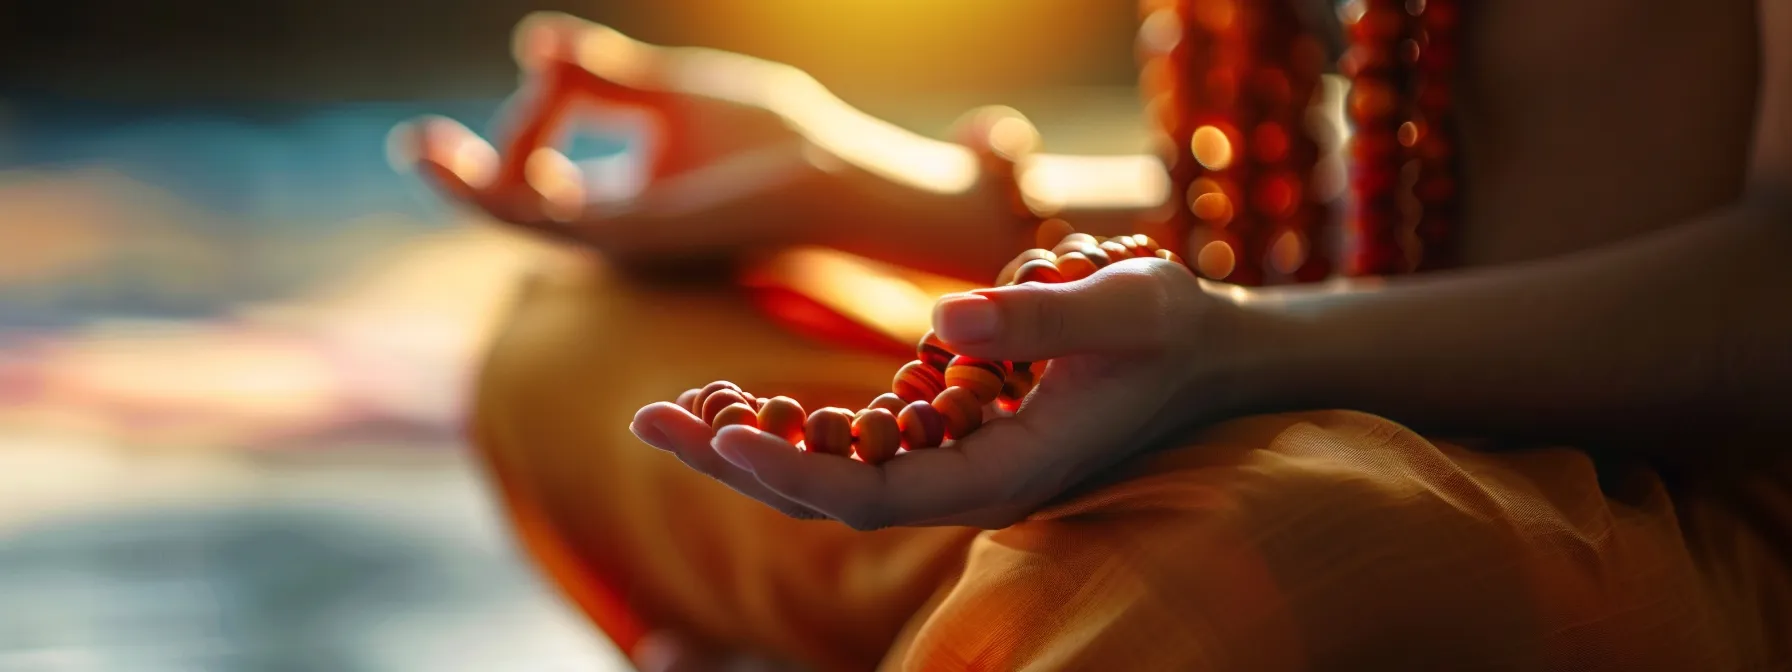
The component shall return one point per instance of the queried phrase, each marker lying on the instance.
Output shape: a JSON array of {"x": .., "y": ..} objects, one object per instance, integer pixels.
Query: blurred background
[{"x": 235, "y": 343}]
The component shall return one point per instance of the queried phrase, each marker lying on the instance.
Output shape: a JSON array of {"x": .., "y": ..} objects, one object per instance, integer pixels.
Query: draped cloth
[{"x": 1317, "y": 540}]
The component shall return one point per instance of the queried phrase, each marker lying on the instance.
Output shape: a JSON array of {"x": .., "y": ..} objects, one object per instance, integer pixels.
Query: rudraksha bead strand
[{"x": 940, "y": 396}]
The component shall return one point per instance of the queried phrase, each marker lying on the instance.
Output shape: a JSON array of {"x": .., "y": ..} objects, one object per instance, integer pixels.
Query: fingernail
[
  {"x": 965, "y": 318},
  {"x": 651, "y": 434},
  {"x": 728, "y": 453}
]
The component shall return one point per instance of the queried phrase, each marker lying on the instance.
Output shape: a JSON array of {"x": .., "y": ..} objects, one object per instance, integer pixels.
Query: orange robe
[{"x": 1330, "y": 540}]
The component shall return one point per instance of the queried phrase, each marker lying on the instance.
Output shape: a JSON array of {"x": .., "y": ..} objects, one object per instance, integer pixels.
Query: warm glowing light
[
  {"x": 1288, "y": 252},
  {"x": 1278, "y": 195},
  {"x": 1270, "y": 142},
  {"x": 1410, "y": 134},
  {"x": 1212, "y": 148},
  {"x": 1160, "y": 32},
  {"x": 1215, "y": 15},
  {"x": 853, "y": 286},
  {"x": 1013, "y": 137},
  {"x": 1216, "y": 260},
  {"x": 1051, "y": 182},
  {"x": 1214, "y": 208}
]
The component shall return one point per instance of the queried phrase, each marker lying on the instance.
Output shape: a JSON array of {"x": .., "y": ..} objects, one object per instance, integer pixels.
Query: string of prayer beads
[{"x": 939, "y": 396}]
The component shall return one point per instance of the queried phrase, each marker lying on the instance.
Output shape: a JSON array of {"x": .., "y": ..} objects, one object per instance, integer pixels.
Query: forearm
[{"x": 1686, "y": 331}]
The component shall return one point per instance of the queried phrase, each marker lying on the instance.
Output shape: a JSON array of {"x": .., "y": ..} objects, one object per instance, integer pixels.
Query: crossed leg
[{"x": 1316, "y": 540}]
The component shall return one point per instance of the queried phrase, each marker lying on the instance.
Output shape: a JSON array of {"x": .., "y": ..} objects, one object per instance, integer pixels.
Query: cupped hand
[{"x": 1137, "y": 352}]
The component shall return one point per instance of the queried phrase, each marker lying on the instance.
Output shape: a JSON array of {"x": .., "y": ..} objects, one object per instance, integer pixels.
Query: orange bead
[
  {"x": 1147, "y": 242},
  {"x": 1171, "y": 257},
  {"x": 982, "y": 377},
  {"x": 1132, "y": 246},
  {"x": 1038, "y": 270},
  {"x": 735, "y": 414},
  {"x": 916, "y": 381},
  {"x": 1007, "y": 274},
  {"x": 1116, "y": 251},
  {"x": 1018, "y": 385},
  {"x": 688, "y": 400},
  {"x": 1075, "y": 266},
  {"x": 1073, "y": 241},
  {"x": 889, "y": 402},
  {"x": 829, "y": 430},
  {"x": 1096, "y": 255},
  {"x": 921, "y": 426},
  {"x": 1051, "y": 232},
  {"x": 784, "y": 418},
  {"x": 962, "y": 411},
  {"x": 712, "y": 388},
  {"x": 719, "y": 400},
  {"x": 932, "y": 351},
  {"x": 876, "y": 435}
]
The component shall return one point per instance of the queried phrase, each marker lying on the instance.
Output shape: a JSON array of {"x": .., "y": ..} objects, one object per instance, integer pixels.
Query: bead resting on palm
[{"x": 947, "y": 395}]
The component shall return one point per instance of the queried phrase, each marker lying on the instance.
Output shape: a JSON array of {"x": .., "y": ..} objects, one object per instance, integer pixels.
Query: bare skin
[{"x": 1628, "y": 172}]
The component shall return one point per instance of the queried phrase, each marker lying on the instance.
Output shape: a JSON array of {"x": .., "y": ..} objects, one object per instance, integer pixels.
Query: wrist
[{"x": 1268, "y": 349}]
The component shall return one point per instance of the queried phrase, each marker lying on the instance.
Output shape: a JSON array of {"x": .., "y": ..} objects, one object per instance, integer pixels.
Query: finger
[
  {"x": 990, "y": 468},
  {"x": 456, "y": 160},
  {"x": 675, "y": 430},
  {"x": 1130, "y": 306}
]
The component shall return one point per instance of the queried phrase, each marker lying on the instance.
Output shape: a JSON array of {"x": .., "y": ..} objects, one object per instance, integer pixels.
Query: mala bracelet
[{"x": 939, "y": 396}]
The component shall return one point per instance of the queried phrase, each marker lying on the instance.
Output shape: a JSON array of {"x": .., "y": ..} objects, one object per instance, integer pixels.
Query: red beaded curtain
[{"x": 1233, "y": 87}]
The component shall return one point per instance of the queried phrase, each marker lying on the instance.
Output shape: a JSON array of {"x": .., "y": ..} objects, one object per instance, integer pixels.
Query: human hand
[
  {"x": 1138, "y": 353},
  {"x": 742, "y": 153}
]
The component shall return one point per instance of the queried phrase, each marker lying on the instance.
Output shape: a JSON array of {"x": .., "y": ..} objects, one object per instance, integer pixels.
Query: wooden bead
[
  {"x": 932, "y": 351},
  {"x": 876, "y": 435},
  {"x": 1018, "y": 385},
  {"x": 917, "y": 382},
  {"x": 735, "y": 414},
  {"x": 962, "y": 411},
  {"x": 889, "y": 402},
  {"x": 1051, "y": 232},
  {"x": 1038, "y": 270},
  {"x": 982, "y": 377},
  {"x": 1116, "y": 251},
  {"x": 1007, "y": 274},
  {"x": 719, "y": 400},
  {"x": 921, "y": 426},
  {"x": 784, "y": 418},
  {"x": 1075, "y": 266},
  {"x": 1147, "y": 242},
  {"x": 1073, "y": 241},
  {"x": 688, "y": 400},
  {"x": 1171, "y": 257},
  {"x": 1132, "y": 246},
  {"x": 1096, "y": 255},
  {"x": 712, "y": 388},
  {"x": 829, "y": 430}
]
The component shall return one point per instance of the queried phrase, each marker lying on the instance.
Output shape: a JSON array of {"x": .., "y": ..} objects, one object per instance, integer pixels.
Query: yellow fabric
[{"x": 1324, "y": 540}]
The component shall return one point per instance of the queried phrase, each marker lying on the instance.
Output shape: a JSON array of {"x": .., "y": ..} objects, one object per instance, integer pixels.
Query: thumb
[{"x": 1128, "y": 307}]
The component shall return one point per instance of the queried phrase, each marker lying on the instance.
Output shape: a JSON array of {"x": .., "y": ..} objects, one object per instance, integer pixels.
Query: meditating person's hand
[
  {"x": 740, "y": 154},
  {"x": 1140, "y": 352}
]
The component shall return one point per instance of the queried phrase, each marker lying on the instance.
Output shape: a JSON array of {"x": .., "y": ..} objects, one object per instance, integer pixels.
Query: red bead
[
  {"x": 921, "y": 426},
  {"x": 721, "y": 399},
  {"x": 829, "y": 430},
  {"x": 962, "y": 410},
  {"x": 876, "y": 435},
  {"x": 916, "y": 381},
  {"x": 1038, "y": 270},
  {"x": 932, "y": 351}
]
